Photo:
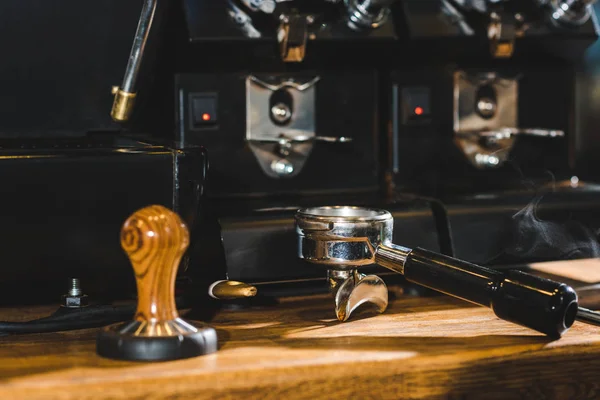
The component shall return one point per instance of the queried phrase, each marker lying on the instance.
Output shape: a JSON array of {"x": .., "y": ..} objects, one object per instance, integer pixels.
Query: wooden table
[{"x": 420, "y": 348}]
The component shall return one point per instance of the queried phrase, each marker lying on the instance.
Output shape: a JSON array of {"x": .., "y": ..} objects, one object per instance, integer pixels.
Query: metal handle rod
[
  {"x": 139, "y": 44},
  {"x": 588, "y": 316}
]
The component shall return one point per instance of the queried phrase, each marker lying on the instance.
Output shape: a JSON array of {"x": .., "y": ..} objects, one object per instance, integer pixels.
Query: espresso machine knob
[
  {"x": 569, "y": 13},
  {"x": 155, "y": 239},
  {"x": 367, "y": 14}
]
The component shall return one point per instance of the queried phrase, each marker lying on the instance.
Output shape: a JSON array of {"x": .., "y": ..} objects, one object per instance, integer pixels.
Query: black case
[{"x": 63, "y": 202}]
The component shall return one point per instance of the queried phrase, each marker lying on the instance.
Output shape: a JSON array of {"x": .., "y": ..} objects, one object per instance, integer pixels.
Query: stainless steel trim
[
  {"x": 344, "y": 214},
  {"x": 392, "y": 257},
  {"x": 301, "y": 86}
]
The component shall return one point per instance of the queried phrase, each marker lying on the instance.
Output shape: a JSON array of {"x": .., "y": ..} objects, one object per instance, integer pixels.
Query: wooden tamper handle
[{"x": 155, "y": 239}]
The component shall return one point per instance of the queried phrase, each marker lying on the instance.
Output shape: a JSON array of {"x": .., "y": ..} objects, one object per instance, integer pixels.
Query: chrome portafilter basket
[{"x": 343, "y": 239}]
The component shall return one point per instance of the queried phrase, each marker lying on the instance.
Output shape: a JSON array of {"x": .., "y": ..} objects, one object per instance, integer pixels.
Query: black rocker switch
[{"x": 203, "y": 109}]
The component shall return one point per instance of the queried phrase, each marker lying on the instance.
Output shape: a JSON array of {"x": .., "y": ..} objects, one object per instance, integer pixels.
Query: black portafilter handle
[{"x": 541, "y": 304}]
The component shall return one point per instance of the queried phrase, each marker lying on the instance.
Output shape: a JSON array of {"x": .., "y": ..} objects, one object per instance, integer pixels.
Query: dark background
[{"x": 588, "y": 107}]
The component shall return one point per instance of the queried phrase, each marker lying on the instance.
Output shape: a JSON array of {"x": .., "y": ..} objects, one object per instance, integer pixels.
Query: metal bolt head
[
  {"x": 487, "y": 160},
  {"x": 74, "y": 301},
  {"x": 282, "y": 167},
  {"x": 281, "y": 113},
  {"x": 486, "y": 107}
]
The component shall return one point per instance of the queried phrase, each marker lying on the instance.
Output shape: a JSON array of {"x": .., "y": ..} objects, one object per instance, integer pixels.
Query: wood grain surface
[
  {"x": 155, "y": 239},
  {"x": 420, "y": 348}
]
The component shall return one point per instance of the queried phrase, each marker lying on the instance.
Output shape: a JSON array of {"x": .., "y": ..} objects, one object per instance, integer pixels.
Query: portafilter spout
[{"x": 346, "y": 238}]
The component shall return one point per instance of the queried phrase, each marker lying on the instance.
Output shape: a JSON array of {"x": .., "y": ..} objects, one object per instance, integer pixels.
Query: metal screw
[
  {"x": 75, "y": 288},
  {"x": 75, "y": 297}
]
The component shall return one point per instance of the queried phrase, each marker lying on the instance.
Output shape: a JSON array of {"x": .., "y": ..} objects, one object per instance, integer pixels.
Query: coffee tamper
[{"x": 155, "y": 239}]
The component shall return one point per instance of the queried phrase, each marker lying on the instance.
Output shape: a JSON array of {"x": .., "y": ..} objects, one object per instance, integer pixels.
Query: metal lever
[
  {"x": 226, "y": 290},
  {"x": 490, "y": 148},
  {"x": 126, "y": 94},
  {"x": 305, "y": 139},
  {"x": 285, "y": 155},
  {"x": 495, "y": 138},
  {"x": 286, "y": 140},
  {"x": 505, "y": 133},
  {"x": 285, "y": 143},
  {"x": 330, "y": 139}
]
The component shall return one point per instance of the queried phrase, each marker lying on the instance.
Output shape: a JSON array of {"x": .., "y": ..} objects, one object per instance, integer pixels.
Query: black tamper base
[{"x": 129, "y": 342}]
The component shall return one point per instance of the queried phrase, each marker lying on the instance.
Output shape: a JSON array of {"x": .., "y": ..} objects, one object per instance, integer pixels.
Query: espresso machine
[{"x": 457, "y": 116}]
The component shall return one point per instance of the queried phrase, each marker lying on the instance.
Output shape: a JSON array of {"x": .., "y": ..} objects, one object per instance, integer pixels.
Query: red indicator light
[
  {"x": 418, "y": 110},
  {"x": 206, "y": 117}
]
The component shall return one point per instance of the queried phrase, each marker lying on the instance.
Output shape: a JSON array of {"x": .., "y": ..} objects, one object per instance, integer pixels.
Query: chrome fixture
[
  {"x": 343, "y": 239},
  {"x": 280, "y": 123},
  {"x": 367, "y": 14},
  {"x": 486, "y": 118},
  {"x": 568, "y": 13}
]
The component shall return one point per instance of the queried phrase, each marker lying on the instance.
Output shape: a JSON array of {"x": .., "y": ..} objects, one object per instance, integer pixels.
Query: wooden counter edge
[{"x": 556, "y": 372}]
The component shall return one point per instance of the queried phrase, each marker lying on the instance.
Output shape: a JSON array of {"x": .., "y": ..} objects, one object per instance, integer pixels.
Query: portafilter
[{"x": 345, "y": 238}]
